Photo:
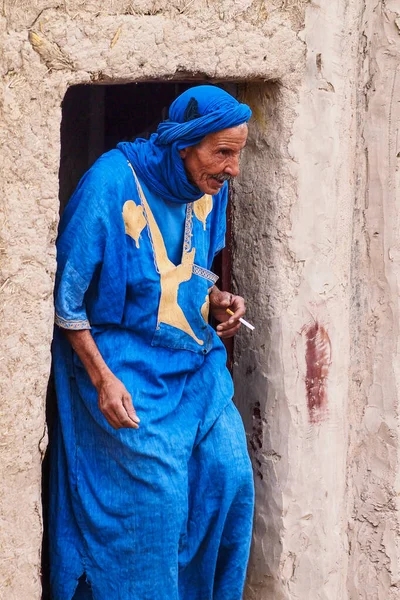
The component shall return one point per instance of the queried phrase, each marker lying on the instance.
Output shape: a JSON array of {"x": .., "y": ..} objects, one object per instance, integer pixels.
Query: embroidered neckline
[
  {"x": 188, "y": 227},
  {"x": 187, "y": 239}
]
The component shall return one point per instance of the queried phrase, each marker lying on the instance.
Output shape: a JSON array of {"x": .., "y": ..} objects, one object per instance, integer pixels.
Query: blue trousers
[
  {"x": 210, "y": 562},
  {"x": 83, "y": 591}
]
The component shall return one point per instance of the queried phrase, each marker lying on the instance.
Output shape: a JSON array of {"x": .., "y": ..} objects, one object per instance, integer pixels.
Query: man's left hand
[{"x": 219, "y": 302}]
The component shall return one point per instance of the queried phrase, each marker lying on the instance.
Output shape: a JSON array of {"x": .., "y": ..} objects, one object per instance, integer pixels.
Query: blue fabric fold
[{"x": 157, "y": 161}]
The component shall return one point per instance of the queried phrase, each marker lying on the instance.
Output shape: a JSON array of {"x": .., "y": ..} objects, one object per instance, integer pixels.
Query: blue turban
[{"x": 193, "y": 115}]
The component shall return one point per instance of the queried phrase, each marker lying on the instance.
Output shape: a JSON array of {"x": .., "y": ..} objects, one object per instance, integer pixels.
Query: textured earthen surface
[
  {"x": 317, "y": 252},
  {"x": 373, "y": 465},
  {"x": 317, "y": 383}
]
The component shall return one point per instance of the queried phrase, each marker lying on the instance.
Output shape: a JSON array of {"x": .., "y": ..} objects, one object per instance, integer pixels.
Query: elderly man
[{"x": 151, "y": 488}]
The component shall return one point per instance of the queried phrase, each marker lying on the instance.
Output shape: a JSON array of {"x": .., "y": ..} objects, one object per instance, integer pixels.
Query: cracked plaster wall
[
  {"x": 297, "y": 266},
  {"x": 318, "y": 383},
  {"x": 304, "y": 259},
  {"x": 373, "y": 466}
]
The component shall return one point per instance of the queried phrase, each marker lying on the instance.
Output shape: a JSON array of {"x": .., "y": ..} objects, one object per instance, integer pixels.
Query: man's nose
[{"x": 232, "y": 167}]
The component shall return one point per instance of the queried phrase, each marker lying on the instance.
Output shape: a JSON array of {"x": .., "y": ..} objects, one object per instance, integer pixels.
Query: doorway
[{"x": 94, "y": 119}]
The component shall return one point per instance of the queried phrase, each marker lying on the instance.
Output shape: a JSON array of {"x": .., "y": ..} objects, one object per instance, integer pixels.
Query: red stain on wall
[{"x": 318, "y": 353}]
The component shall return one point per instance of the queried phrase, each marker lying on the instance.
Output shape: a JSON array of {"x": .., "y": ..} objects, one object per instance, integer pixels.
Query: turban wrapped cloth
[{"x": 193, "y": 115}]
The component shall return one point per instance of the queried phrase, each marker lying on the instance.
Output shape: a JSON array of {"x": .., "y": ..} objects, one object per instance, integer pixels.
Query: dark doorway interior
[{"x": 94, "y": 119}]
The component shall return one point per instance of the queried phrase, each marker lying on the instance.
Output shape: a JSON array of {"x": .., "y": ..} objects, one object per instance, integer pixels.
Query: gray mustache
[{"x": 223, "y": 177}]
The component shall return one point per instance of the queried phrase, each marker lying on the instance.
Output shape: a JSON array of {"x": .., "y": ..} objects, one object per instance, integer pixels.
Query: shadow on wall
[{"x": 261, "y": 216}]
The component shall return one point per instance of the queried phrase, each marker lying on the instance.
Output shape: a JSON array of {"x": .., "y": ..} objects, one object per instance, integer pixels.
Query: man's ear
[{"x": 183, "y": 153}]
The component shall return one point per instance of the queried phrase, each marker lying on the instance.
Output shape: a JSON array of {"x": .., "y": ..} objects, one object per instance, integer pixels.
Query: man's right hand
[{"x": 115, "y": 402}]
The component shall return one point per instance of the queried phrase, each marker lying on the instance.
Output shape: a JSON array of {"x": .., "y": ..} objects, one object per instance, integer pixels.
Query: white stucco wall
[{"x": 316, "y": 258}]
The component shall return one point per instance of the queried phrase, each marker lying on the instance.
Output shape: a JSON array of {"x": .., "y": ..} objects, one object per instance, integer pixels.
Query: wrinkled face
[{"x": 216, "y": 159}]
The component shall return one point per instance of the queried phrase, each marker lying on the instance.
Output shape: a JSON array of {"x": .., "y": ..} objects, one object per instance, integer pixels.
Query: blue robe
[{"x": 165, "y": 511}]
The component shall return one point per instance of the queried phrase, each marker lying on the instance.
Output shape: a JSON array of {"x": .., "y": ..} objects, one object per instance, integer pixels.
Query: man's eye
[{"x": 224, "y": 151}]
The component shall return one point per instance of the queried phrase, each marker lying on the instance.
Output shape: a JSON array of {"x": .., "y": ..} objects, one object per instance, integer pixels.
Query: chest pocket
[{"x": 182, "y": 319}]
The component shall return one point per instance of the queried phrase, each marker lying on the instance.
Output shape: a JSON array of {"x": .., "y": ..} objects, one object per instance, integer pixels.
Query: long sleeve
[{"x": 90, "y": 255}]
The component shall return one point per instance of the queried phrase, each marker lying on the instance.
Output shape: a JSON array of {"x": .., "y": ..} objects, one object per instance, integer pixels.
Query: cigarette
[{"x": 242, "y": 321}]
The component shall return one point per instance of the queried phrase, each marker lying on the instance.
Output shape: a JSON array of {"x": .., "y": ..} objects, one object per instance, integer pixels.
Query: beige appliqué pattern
[
  {"x": 134, "y": 220},
  {"x": 202, "y": 208},
  {"x": 171, "y": 276},
  {"x": 205, "y": 309}
]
